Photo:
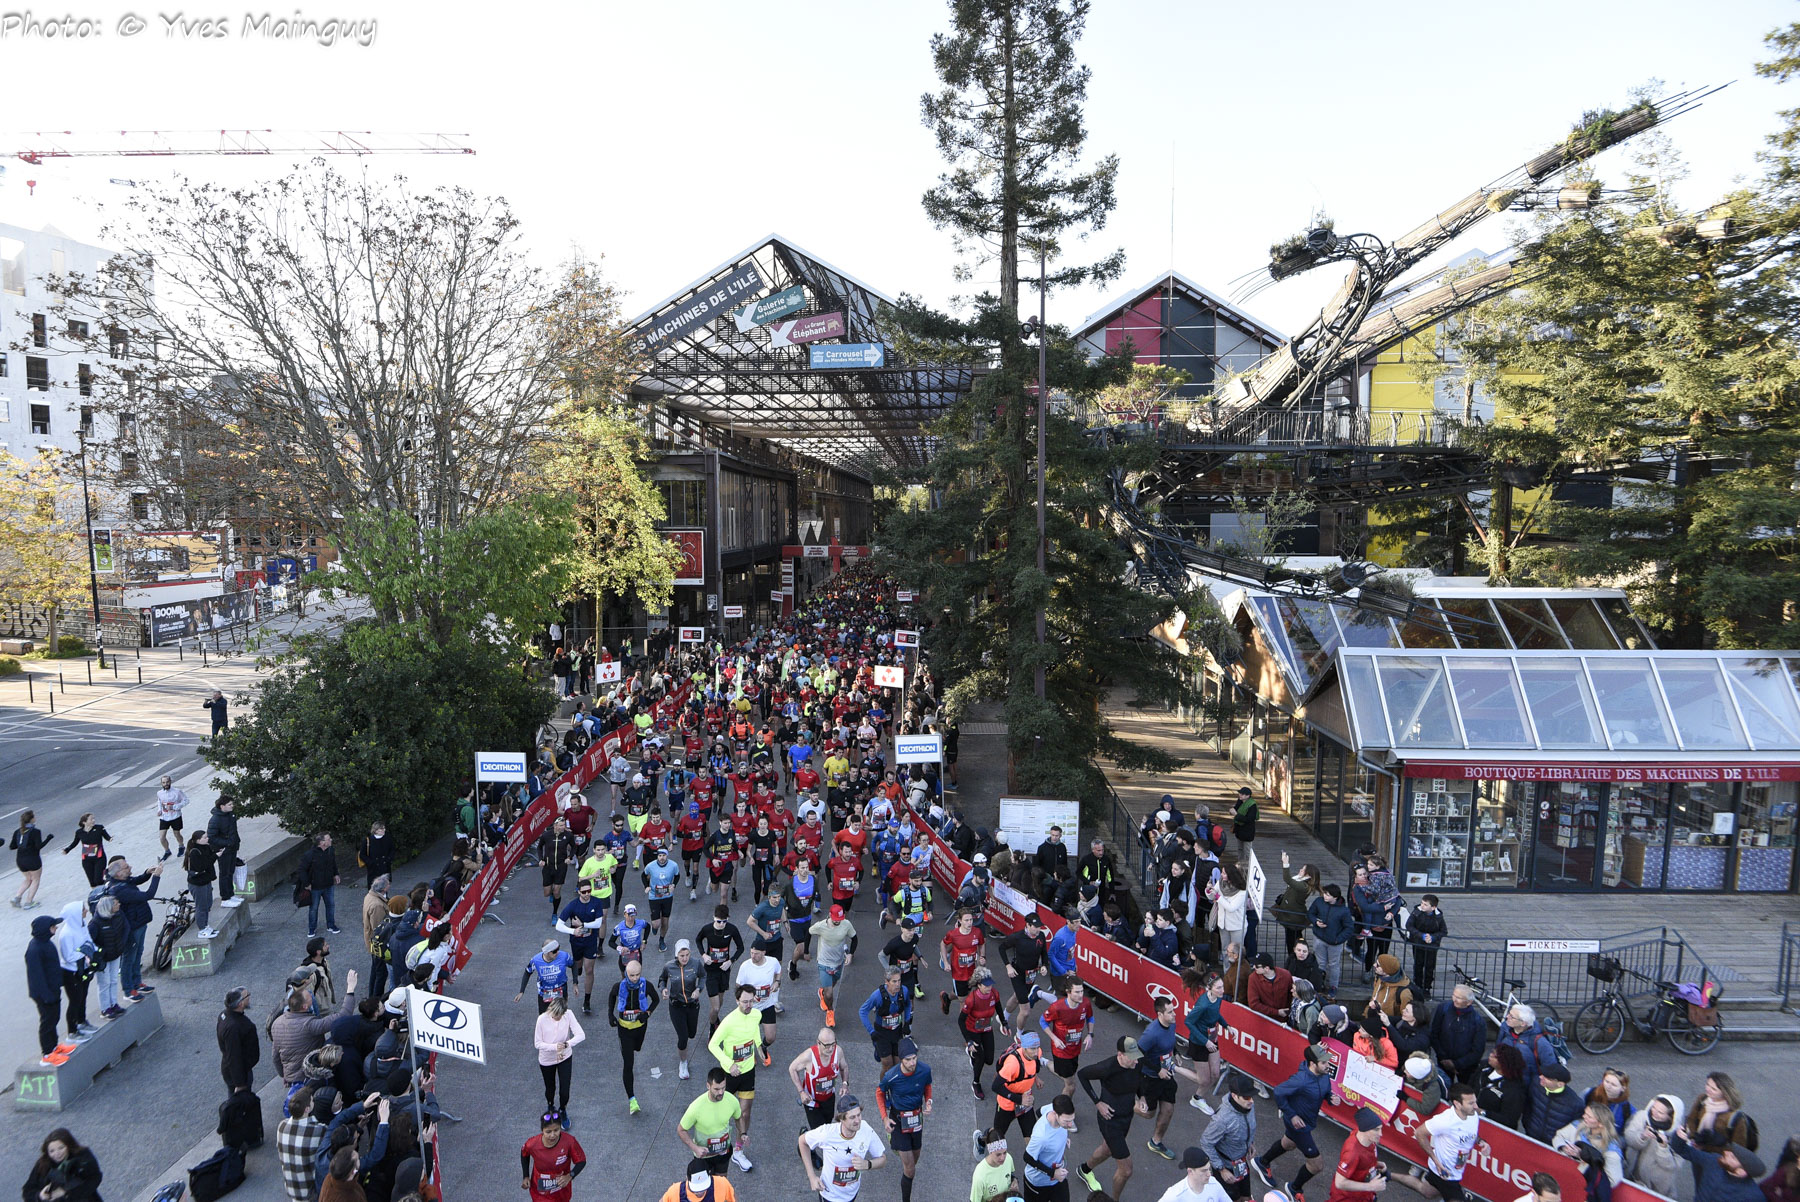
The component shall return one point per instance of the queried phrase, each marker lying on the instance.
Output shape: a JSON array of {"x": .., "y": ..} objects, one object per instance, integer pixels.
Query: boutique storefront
[{"x": 1600, "y": 771}]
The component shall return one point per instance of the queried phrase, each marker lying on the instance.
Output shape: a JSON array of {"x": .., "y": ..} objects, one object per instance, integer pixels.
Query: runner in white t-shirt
[
  {"x": 836, "y": 1155},
  {"x": 763, "y": 974},
  {"x": 1448, "y": 1140}
]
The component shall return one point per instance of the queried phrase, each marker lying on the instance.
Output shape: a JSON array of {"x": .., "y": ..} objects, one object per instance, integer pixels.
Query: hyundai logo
[{"x": 446, "y": 1014}]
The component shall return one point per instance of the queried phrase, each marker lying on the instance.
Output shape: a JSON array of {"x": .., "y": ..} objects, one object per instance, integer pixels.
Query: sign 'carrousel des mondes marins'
[{"x": 742, "y": 284}]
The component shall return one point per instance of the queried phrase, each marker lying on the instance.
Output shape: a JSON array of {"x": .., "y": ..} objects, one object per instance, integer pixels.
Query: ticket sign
[
  {"x": 693, "y": 634},
  {"x": 607, "y": 673},
  {"x": 448, "y": 1026},
  {"x": 734, "y": 611},
  {"x": 890, "y": 677},
  {"x": 906, "y": 638}
]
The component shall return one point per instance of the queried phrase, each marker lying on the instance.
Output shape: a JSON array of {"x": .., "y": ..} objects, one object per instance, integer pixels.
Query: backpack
[
  {"x": 217, "y": 1175},
  {"x": 378, "y": 942}
]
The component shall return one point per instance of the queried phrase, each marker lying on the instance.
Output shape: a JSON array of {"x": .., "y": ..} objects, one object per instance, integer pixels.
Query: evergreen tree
[{"x": 1009, "y": 122}]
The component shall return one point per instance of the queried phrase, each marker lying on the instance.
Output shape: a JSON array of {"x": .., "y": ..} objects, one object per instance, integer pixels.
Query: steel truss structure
[{"x": 736, "y": 380}]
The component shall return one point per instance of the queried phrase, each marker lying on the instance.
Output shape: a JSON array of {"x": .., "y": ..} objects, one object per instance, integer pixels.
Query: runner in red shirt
[
  {"x": 1359, "y": 1173},
  {"x": 845, "y": 874},
  {"x": 550, "y": 1161},
  {"x": 1068, "y": 1026},
  {"x": 960, "y": 955}
]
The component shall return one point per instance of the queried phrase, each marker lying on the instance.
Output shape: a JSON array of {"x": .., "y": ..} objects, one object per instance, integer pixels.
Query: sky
[{"x": 662, "y": 138}]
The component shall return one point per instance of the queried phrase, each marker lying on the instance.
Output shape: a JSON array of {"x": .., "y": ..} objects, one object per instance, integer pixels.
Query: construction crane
[{"x": 41, "y": 147}]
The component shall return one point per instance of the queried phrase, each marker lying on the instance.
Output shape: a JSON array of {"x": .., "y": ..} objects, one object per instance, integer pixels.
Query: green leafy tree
[
  {"x": 347, "y": 731},
  {"x": 1659, "y": 352}
]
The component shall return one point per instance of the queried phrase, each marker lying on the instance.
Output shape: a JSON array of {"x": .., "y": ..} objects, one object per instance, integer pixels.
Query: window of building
[
  {"x": 87, "y": 421},
  {"x": 117, "y": 343},
  {"x": 37, "y": 373},
  {"x": 78, "y": 329},
  {"x": 140, "y": 506},
  {"x": 84, "y": 379},
  {"x": 12, "y": 266},
  {"x": 40, "y": 419},
  {"x": 40, "y": 333}
]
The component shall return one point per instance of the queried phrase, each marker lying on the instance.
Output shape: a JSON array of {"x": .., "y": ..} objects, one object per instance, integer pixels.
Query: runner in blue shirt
[
  {"x": 661, "y": 875},
  {"x": 581, "y": 920},
  {"x": 629, "y": 937},
  {"x": 551, "y": 968}
]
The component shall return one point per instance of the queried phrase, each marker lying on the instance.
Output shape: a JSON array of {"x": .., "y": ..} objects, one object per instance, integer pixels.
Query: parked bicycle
[
  {"x": 181, "y": 917},
  {"x": 1680, "y": 1012},
  {"x": 1495, "y": 1007}
]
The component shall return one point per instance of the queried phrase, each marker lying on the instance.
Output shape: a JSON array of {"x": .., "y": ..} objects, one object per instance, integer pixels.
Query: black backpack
[{"x": 217, "y": 1175}]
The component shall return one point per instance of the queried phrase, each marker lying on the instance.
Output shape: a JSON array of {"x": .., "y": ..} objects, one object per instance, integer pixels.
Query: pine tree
[{"x": 1009, "y": 122}]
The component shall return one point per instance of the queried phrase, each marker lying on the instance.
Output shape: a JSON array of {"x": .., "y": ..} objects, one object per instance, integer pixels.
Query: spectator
[
  {"x": 1649, "y": 1160},
  {"x": 1729, "y": 1176},
  {"x": 43, "y": 980},
  {"x": 319, "y": 871},
  {"x": 65, "y": 1171},
  {"x": 1502, "y": 1093},
  {"x": 108, "y": 931},
  {"x": 1459, "y": 1035},
  {"x": 239, "y": 1048}
]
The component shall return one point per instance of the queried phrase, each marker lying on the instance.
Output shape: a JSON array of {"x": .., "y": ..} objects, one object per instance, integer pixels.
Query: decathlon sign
[
  {"x": 918, "y": 749},
  {"x": 446, "y": 1025},
  {"x": 500, "y": 765}
]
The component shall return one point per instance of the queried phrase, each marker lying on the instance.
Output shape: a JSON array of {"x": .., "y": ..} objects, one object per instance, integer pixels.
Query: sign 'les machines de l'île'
[{"x": 741, "y": 285}]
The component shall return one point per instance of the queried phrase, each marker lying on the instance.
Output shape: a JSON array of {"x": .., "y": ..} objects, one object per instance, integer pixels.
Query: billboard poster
[{"x": 692, "y": 545}]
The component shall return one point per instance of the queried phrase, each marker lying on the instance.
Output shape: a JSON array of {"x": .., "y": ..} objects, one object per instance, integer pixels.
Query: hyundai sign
[
  {"x": 447, "y": 1026},
  {"x": 918, "y": 749},
  {"x": 500, "y": 765}
]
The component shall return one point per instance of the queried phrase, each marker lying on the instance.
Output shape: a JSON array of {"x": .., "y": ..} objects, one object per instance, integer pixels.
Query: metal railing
[
  {"x": 1562, "y": 978},
  {"x": 1789, "y": 965}
]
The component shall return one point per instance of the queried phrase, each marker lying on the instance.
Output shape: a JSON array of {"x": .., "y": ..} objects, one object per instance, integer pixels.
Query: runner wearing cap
[
  {"x": 719, "y": 944},
  {"x": 993, "y": 1180},
  {"x": 1298, "y": 1099},
  {"x": 1113, "y": 1085},
  {"x": 887, "y": 1017},
  {"x": 581, "y": 920},
  {"x": 837, "y": 945},
  {"x": 734, "y": 1044},
  {"x": 1198, "y": 1183},
  {"x": 708, "y": 1124},
  {"x": 820, "y": 1074},
  {"x": 660, "y": 876},
  {"x": 1046, "y": 1171},
  {"x": 1068, "y": 1027},
  {"x": 680, "y": 984},
  {"x": 845, "y": 1150},
  {"x": 902, "y": 953},
  {"x": 702, "y": 1184},
  {"x": 904, "y": 1099}
]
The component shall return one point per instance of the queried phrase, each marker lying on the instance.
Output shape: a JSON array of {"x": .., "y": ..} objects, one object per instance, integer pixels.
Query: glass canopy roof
[
  {"x": 1549, "y": 701},
  {"x": 1304, "y": 633}
]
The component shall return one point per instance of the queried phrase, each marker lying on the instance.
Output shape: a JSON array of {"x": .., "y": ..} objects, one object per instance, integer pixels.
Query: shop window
[
  {"x": 1637, "y": 827},
  {"x": 1702, "y": 823},
  {"x": 1497, "y": 844},
  {"x": 1437, "y": 838},
  {"x": 1765, "y": 836}
]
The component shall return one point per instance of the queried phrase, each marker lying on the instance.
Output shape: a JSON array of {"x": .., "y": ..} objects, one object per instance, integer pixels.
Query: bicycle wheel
[
  {"x": 1599, "y": 1026},
  {"x": 1542, "y": 1008},
  {"x": 1688, "y": 1039},
  {"x": 164, "y": 955}
]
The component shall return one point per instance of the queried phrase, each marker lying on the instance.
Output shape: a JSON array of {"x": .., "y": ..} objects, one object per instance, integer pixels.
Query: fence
[
  {"x": 1789, "y": 966},
  {"x": 1561, "y": 978}
]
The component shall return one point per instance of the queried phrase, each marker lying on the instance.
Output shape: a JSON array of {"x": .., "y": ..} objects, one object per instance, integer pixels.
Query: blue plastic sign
[
  {"x": 500, "y": 765},
  {"x": 847, "y": 354}
]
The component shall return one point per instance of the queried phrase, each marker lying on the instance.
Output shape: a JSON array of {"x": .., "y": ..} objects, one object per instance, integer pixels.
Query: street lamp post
[{"x": 87, "y": 517}]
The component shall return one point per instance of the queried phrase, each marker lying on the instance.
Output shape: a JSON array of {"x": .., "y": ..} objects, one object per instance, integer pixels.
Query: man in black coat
[{"x": 240, "y": 1049}]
